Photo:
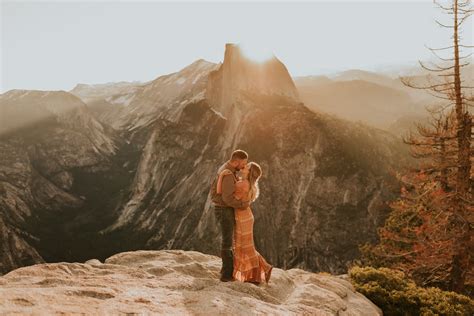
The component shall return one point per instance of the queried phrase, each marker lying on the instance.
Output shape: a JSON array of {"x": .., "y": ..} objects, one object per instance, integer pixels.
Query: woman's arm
[
  {"x": 228, "y": 193},
  {"x": 241, "y": 190}
]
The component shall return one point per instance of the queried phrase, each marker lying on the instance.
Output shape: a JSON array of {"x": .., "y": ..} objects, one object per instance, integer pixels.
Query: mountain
[
  {"x": 46, "y": 138},
  {"x": 369, "y": 76},
  {"x": 26, "y": 110},
  {"x": 172, "y": 282},
  {"x": 379, "y": 98},
  {"x": 311, "y": 81},
  {"x": 404, "y": 124},
  {"x": 359, "y": 100},
  {"x": 324, "y": 178},
  {"x": 362, "y": 76},
  {"x": 147, "y": 102},
  {"x": 415, "y": 69},
  {"x": 239, "y": 75},
  {"x": 93, "y": 92}
]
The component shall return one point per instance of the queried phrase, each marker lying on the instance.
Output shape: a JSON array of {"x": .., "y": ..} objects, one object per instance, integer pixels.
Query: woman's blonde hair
[{"x": 255, "y": 172}]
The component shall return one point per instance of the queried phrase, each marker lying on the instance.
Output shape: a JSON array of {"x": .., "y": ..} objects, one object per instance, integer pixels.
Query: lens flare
[{"x": 255, "y": 52}]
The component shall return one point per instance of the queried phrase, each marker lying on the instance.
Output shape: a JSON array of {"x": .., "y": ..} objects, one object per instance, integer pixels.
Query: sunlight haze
[{"x": 55, "y": 45}]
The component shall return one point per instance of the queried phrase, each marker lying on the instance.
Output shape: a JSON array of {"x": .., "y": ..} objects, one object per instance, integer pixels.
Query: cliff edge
[{"x": 172, "y": 282}]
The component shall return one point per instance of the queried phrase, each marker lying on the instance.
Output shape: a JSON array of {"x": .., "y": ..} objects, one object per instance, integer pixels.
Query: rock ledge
[{"x": 172, "y": 282}]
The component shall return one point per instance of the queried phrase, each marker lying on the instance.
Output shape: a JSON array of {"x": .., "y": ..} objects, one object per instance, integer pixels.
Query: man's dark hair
[{"x": 239, "y": 154}]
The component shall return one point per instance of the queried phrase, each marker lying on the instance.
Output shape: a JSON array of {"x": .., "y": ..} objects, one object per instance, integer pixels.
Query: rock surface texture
[{"x": 172, "y": 282}]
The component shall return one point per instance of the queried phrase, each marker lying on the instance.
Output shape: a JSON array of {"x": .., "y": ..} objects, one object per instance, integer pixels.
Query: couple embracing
[{"x": 234, "y": 188}]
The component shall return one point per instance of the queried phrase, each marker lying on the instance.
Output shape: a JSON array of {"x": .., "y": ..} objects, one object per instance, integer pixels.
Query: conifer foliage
[{"x": 429, "y": 233}]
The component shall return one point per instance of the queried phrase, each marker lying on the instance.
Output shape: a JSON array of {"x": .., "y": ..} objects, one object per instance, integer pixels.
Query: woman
[{"x": 249, "y": 265}]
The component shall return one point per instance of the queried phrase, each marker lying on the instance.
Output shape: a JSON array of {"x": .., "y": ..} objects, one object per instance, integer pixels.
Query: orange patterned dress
[{"x": 249, "y": 265}]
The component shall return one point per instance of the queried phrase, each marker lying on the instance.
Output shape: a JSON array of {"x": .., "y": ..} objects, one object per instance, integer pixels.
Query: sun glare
[{"x": 257, "y": 53}]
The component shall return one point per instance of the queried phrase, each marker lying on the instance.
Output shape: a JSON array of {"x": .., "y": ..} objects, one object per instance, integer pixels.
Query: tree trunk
[{"x": 461, "y": 258}]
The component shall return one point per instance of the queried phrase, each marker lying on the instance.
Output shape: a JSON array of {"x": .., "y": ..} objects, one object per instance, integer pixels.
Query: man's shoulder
[
  {"x": 226, "y": 172},
  {"x": 222, "y": 168},
  {"x": 225, "y": 167}
]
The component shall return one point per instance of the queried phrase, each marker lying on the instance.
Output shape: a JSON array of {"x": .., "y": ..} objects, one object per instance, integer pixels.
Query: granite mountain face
[
  {"x": 162, "y": 98},
  {"x": 45, "y": 139},
  {"x": 131, "y": 169}
]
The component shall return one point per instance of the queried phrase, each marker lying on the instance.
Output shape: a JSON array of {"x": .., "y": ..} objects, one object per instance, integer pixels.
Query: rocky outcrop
[
  {"x": 16, "y": 251},
  {"x": 172, "y": 282},
  {"x": 238, "y": 75}
]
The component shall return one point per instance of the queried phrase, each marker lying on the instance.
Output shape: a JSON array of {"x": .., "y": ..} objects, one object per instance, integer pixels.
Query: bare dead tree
[{"x": 447, "y": 143}]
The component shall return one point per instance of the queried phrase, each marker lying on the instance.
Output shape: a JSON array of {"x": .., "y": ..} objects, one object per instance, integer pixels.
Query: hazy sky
[{"x": 55, "y": 45}]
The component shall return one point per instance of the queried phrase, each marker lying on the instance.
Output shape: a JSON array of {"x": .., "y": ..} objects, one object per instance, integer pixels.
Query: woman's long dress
[{"x": 249, "y": 265}]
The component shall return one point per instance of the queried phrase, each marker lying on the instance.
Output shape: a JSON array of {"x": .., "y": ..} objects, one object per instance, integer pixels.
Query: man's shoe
[{"x": 227, "y": 279}]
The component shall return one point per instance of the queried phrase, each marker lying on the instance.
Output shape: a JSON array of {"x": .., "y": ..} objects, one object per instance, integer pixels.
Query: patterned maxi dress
[{"x": 249, "y": 265}]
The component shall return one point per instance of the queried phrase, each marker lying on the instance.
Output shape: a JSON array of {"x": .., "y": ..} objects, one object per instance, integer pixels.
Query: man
[{"x": 224, "y": 205}]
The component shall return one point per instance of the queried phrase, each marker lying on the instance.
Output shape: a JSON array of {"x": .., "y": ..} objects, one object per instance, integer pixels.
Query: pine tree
[{"x": 429, "y": 233}]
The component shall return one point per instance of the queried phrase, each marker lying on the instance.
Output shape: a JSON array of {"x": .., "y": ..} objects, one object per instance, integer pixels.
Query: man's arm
[{"x": 228, "y": 187}]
